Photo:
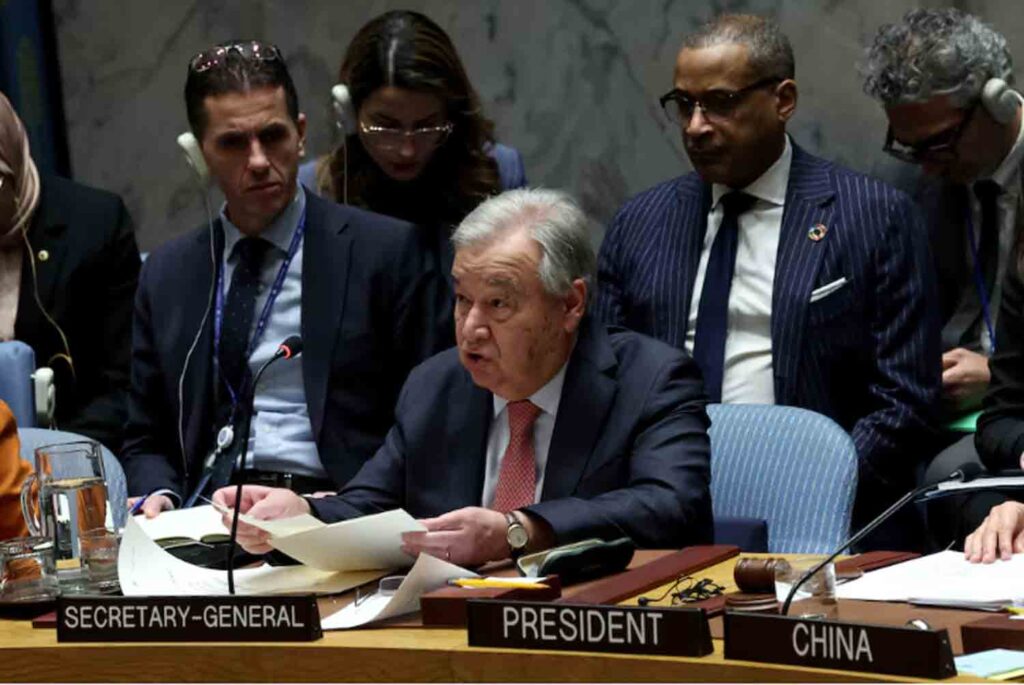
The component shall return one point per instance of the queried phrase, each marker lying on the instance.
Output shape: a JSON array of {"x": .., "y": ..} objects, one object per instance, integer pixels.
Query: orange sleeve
[{"x": 13, "y": 471}]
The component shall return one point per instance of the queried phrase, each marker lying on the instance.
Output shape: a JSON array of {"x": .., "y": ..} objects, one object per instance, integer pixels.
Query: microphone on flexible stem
[
  {"x": 966, "y": 472},
  {"x": 291, "y": 347}
]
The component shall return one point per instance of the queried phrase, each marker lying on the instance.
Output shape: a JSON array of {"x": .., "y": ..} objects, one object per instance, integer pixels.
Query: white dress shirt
[
  {"x": 747, "y": 374},
  {"x": 547, "y": 399}
]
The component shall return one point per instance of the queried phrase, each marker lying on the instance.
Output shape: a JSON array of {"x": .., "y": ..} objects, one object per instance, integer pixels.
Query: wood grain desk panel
[{"x": 374, "y": 655}]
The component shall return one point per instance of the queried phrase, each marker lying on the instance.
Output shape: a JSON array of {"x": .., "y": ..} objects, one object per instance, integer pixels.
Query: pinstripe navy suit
[{"x": 866, "y": 355}]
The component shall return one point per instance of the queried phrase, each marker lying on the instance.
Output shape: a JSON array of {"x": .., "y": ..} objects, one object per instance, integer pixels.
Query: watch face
[{"x": 516, "y": 537}]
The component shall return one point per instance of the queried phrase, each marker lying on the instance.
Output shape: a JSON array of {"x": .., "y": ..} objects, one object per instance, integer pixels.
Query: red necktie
[{"x": 517, "y": 477}]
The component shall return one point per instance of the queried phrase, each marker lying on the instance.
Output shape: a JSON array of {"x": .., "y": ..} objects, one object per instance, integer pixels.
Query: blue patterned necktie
[
  {"x": 238, "y": 313},
  {"x": 713, "y": 313}
]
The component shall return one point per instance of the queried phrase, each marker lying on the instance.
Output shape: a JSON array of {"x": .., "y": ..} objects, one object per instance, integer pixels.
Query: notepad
[{"x": 997, "y": 664}]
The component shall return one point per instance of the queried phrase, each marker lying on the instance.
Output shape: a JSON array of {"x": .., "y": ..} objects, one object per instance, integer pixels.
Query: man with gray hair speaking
[
  {"x": 944, "y": 79},
  {"x": 542, "y": 427}
]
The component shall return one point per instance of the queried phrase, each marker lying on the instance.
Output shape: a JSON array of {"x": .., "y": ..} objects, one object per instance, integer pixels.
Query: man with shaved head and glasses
[
  {"x": 278, "y": 261},
  {"x": 790, "y": 280},
  {"x": 944, "y": 79}
]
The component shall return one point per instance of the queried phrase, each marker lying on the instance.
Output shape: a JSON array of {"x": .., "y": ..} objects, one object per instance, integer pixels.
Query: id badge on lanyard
[{"x": 226, "y": 433}]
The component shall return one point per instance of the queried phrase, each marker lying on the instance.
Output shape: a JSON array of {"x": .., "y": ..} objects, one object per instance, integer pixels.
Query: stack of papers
[
  {"x": 335, "y": 558},
  {"x": 146, "y": 569},
  {"x": 944, "y": 579}
]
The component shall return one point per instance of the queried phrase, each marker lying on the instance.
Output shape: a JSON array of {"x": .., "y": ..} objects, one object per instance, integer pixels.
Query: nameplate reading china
[
  {"x": 588, "y": 627},
  {"x": 188, "y": 619},
  {"x": 837, "y": 645}
]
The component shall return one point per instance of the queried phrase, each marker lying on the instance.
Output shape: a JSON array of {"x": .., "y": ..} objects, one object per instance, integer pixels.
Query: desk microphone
[
  {"x": 291, "y": 347},
  {"x": 966, "y": 472}
]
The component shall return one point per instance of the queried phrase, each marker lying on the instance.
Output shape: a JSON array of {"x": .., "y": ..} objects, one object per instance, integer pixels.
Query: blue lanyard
[
  {"x": 979, "y": 278},
  {"x": 261, "y": 323}
]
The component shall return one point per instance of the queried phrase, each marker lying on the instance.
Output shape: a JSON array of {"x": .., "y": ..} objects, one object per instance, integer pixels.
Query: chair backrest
[
  {"x": 794, "y": 468},
  {"x": 117, "y": 490},
  {"x": 17, "y": 362}
]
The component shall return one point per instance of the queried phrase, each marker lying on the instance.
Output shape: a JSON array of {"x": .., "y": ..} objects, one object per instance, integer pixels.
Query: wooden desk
[{"x": 386, "y": 654}]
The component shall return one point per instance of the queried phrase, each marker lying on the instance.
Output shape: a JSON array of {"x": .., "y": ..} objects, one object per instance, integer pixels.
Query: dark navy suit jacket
[
  {"x": 367, "y": 319},
  {"x": 867, "y": 355},
  {"x": 628, "y": 456}
]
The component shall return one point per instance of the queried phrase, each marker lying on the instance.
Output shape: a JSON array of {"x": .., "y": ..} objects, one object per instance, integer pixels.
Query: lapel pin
[
  {"x": 43, "y": 255},
  {"x": 817, "y": 232}
]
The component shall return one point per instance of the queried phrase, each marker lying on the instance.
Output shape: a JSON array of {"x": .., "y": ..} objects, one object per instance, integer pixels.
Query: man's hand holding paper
[{"x": 262, "y": 503}]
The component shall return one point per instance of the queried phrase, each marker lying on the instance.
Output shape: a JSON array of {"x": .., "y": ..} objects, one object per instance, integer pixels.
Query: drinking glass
[
  {"x": 27, "y": 573},
  {"x": 64, "y": 498},
  {"x": 817, "y": 595}
]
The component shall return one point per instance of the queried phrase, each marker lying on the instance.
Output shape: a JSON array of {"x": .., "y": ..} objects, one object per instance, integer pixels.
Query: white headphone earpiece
[
  {"x": 344, "y": 109},
  {"x": 194, "y": 156},
  {"x": 1001, "y": 101}
]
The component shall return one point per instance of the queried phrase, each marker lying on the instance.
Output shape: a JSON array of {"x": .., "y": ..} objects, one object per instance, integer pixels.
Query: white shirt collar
[
  {"x": 280, "y": 230},
  {"x": 769, "y": 186},
  {"x": 1011, "y": 163},
  {"x": 547, "y": 398}
]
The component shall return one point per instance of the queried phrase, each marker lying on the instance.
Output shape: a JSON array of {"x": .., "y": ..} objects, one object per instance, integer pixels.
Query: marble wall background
[{"x": 572, "y": 83}]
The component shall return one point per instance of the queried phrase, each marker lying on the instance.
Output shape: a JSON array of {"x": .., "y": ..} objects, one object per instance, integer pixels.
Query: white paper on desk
[
  {"x": 144, "y": 568},
  {"x": 367, "y": 542},
  {"x": 946, "y": 578},
  {"x": 185, "y": 523},
  {"x": 427, "y": 574}
]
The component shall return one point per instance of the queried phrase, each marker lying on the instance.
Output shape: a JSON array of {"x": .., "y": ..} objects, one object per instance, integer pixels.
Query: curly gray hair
[{"x": 934, "y": 52}]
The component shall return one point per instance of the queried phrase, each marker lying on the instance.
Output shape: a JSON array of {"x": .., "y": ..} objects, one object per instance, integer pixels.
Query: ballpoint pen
[{"x": 137, "y": 507}]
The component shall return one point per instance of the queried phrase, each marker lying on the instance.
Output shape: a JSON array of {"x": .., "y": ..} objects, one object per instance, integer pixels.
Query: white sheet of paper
[
  {"x": 944, "y": 578},
  {"x": 368, "y": 542},
  {"x": 144, "y": 568},
  {"x": 428, "y": 573},
  {"x": 278, "y": 527},
  {"x": 188, "y": 523}
]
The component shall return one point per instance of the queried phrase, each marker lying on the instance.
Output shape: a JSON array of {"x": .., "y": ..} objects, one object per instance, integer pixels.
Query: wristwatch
[{"x": 516, "y": 535}]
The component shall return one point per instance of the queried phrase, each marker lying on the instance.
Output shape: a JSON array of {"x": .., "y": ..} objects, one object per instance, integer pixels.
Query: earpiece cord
[
  {"x": 66, "y": 355},
  {"x": 195, "y": 340}
]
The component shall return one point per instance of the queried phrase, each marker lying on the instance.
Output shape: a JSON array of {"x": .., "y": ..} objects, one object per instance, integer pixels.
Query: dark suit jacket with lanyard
[
  {"x": 949, "y": 219},
  {"x": 368, "y": 316},
  {"x": 1000, "y": 435},
  {"x": 86, "y": 283}
]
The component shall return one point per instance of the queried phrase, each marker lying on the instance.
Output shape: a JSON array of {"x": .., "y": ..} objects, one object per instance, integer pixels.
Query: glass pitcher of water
[{"x": 71, "y": 502}]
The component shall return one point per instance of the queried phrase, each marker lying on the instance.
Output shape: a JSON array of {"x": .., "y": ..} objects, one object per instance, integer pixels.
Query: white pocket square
[{"x": 827, "y": 289}]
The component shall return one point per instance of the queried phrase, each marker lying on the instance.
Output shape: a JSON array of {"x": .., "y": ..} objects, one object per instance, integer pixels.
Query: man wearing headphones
[
  {"x": 944, "y": 79},
  {"x": 214, "y": 304}
]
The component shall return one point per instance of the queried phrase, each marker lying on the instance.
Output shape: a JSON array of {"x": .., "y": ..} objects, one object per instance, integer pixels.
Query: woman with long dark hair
[{"x": 416, "y": 143}]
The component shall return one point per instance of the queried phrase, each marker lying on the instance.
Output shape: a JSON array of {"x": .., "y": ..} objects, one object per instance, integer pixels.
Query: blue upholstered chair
[
  {"x": 17, "y": 363},
  {"x": 117, "y": 489},
  {"x": 793, "y": 468}
]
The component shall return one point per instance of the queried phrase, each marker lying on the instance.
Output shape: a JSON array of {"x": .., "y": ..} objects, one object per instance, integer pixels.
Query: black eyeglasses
[
  {"x": 938, "y": 148},
  {"x": 715, "y": 105},
  {"x": 252, "y": 50}
]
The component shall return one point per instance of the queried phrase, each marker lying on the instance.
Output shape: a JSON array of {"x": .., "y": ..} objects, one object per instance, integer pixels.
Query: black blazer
[
  {"x": 866, "y": 355},
  {"x": 1000, "y": 435},
  {"x": 629, "y": 454},
  {"x": 86, "y": 283},
  {"x": 368, "y": 317}
]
